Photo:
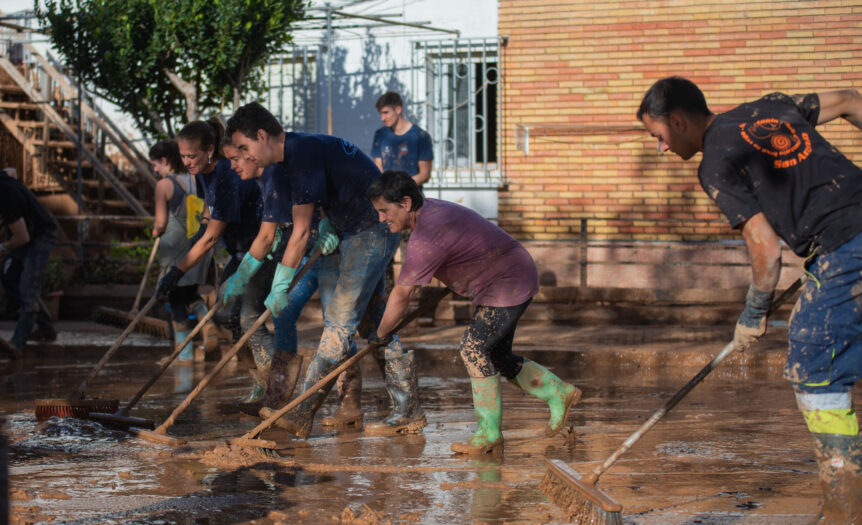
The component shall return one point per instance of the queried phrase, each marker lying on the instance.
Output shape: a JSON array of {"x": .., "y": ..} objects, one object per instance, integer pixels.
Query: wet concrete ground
[{"x": 735, "y": 451}]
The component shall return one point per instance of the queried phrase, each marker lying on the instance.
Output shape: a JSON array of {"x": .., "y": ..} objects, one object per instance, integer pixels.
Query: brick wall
[{"x": 575, "y": 72}]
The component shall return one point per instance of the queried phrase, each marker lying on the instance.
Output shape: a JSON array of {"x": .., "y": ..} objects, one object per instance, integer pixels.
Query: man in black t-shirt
[
  {"x": 31, "y": 238},
  {"x": 776, "y": 178}
]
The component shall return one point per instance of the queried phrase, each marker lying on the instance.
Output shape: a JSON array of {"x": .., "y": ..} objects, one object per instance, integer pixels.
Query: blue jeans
[
  {"x": 34, "y": 259},
  {"x": 322, "y": 276},
  {"x": 361, "y": 273},
  {"x": 825, "y": 330}
]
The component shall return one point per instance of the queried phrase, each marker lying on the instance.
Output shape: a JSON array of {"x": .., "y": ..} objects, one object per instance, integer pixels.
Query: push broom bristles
[
  {"x": 77, "y": 408},
  {"x": 119, "y": 318},
  {"x": 583, "y": 503}
]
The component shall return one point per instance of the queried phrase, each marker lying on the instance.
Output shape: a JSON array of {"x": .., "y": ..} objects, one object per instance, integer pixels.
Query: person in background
[
  {"x": 179, "y": 206},
  {"x": 401, "y": 145},
  {"x": 32, "y": 234}
]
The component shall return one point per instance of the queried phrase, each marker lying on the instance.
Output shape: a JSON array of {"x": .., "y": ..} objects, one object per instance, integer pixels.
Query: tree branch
[{"x": 188, "y": 91}]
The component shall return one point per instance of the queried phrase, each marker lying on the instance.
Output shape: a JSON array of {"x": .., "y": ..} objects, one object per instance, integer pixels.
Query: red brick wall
[{"x": 575, "y": 66}]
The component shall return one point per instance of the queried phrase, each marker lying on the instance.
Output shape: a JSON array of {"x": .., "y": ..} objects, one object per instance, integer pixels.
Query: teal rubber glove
[
  {"x": 244, "y": 272},
  {"x": 328, "y": 237},
  {"x": 276, "y": 301}
]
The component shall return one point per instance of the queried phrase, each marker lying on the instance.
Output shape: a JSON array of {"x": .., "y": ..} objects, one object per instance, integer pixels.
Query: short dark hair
[
  {"x": 673, "y": 94},
  {"x": 252, "y": 117},
  {"x": 389, "y": 99},
  {"x": 168, "y": 150},
  {"x": 393, "y": 186},
  {"x": 205, "y": 133}
]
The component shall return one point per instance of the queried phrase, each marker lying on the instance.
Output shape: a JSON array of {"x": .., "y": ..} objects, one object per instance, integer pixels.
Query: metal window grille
[
  {"x": 461, "y": 109},
  {"x": 291, "y": 88}
]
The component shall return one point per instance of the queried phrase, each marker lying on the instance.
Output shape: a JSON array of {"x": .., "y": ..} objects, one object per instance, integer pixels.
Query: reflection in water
[{"x": 486, "y": 497}]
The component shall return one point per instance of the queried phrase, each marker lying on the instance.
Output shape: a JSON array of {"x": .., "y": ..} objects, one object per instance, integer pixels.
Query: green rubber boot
[
  {"x": 540, "y": 382},
  {"x": 487, "y": 403}
]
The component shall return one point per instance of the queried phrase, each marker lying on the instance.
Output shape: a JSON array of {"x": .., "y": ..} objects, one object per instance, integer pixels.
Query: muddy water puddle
[{"x": 735, "y": 451}]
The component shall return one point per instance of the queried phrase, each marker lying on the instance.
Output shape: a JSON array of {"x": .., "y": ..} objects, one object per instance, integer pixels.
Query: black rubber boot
[
  {"x": 840, "y": 460},
  {"x": 299, "y": 420},
  {"x": 403, "y": 387}
]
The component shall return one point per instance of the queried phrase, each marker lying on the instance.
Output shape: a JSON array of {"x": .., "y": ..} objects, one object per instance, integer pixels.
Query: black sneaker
[
  {"x": 10, "y": 350},
  {"x": 44, "y": 334}
]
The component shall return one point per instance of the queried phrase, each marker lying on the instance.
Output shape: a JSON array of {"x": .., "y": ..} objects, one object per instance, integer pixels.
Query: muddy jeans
[
  {"x": 323, "y": 276},
  {"x": 825, "y": 334},
  {"x": 362, "y": 272},
  {"x": 34, "y": 258},
  {"x": 486, "y": 347}
]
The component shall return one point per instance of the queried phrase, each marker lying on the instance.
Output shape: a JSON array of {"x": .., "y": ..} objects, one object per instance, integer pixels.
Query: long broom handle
[
  {"x": 593, "y": 476},
  {"x": 117, "y": 344},
  {"x": 429, "y": 303},
  {"x": 170, "y": 359},
  {"x": 264, "y": 317},
  {"x": 153, "y": 253}
]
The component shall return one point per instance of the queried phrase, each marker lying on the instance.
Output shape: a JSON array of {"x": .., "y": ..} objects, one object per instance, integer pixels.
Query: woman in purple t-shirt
[{"x": 476, "y": 259}]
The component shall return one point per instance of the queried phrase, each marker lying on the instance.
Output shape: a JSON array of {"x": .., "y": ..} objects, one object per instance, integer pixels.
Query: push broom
[
  {"x": 160, "y": 434},
  {"x": 121, "y": 417},
  {"x": 578, "y": 496},
  {"x": 147, "y": 325},
  {"x": 76, "y": 405},
  {"x": 251, "y": 440}
]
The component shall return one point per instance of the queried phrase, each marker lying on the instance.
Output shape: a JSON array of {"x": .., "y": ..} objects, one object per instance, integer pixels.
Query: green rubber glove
[
  {"x": 276, "y": 301},
  {"x": 328, "y": 237},
  {"x": 245, "y": 271}
]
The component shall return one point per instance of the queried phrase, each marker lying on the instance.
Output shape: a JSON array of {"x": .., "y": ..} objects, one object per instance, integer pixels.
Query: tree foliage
[{"x": 166, "y": 62}]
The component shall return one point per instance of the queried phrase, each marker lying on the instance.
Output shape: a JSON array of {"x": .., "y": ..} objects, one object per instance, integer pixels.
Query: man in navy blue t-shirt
[
  {"x": 333, "y": 175},
  {"x": 401, "y": 145}
]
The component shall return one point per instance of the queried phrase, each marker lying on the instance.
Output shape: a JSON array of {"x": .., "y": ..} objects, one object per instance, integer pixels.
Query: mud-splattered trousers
[
  {"x": 486, "y": 347},
  {"x": 34, "y": 259},
  {"x": 825, "y": 358},
  {"x": 323, "y": 276},
  {"x": 361, "y": 275}
]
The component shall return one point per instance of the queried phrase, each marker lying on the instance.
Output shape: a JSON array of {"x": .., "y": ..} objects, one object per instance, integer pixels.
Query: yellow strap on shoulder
[{"x": 194, "y": 212}]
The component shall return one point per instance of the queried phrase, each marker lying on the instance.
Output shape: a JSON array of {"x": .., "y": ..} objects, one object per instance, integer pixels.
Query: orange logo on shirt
[{"x": 777, "y": 139}]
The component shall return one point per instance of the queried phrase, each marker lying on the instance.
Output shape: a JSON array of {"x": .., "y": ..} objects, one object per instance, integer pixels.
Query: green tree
[{"x": 162, "y": 60}]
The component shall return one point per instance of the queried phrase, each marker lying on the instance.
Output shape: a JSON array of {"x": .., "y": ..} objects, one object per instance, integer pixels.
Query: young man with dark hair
[
  {"x": 32, "y": 234},
  {"x": 332, "y": 175},
  {"x": 400, "y": 144},
  {"x": 776, "y": 178},
  {"x": 477, "y": 259}
]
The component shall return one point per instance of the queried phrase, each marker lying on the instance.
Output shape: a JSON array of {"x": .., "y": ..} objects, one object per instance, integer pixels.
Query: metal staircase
[{"x": 110, "y": 201}]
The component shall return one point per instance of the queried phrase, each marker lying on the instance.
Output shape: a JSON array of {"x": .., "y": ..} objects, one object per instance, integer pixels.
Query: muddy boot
[
  {"x": 487, "y": 403},
  {"x": 262, "y": 354},
  {"x": 187, "y": 355},
  {"x": 208, "y": 333},
  {"x": 540, "y": 382},
  {"x": 11, "y": 351},
  {"x": 840, "y": 461},
  {"x": 283, "y": 376},
  {"x": 253, "y": 402},
  {"x": 349, "y": 412},
  {"x": 299, "y": 420},
  {"x": 44, "y": 331},
  {"x": 403, "y": 387}
]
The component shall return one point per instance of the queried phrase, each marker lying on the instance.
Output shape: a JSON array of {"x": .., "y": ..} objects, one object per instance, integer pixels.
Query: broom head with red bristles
[{"x": 78, "y": 408}]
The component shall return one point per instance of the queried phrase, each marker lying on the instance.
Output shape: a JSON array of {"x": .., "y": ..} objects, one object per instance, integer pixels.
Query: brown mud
[{"x": 735, "y": 451}]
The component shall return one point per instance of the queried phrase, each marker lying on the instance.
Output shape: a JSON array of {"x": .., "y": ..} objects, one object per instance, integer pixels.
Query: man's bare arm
[
  {"x": 846, "y": 103},
  {"x": 764, "y": 248},
  {"x": 263, "y": 241},
  {"x": 424, "y": 172},
  {"x": 295, "y": 250}
]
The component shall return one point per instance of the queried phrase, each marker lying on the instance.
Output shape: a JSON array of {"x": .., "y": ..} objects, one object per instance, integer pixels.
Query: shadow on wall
[{"x": 354, "y": 93}]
